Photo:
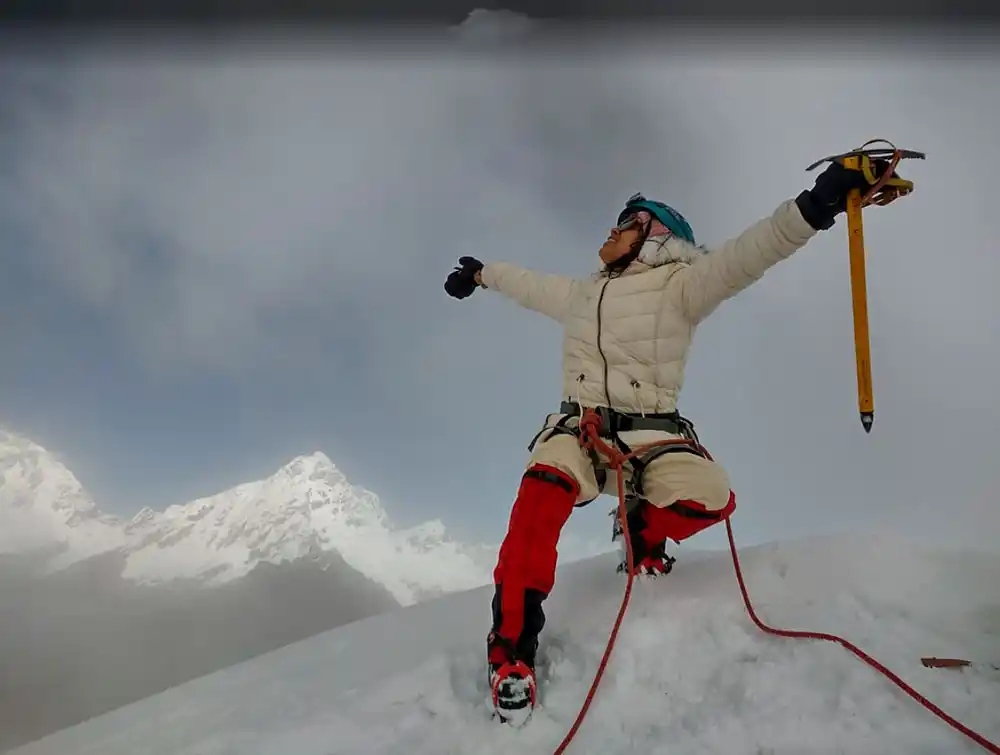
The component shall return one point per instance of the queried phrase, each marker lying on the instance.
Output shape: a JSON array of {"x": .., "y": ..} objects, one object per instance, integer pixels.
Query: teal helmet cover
[{"x": 662, "y": 212}]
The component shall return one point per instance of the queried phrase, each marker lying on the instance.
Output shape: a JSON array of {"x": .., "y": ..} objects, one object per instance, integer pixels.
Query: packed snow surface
[{"x": 689, "y": 674}]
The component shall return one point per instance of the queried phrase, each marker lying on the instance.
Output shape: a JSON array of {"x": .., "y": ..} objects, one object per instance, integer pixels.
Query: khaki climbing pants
[{"x": 668, "y": 478}]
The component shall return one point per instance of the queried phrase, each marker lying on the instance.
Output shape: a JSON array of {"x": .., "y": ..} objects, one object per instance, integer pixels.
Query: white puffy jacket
[{"x": 626, "y": 337}]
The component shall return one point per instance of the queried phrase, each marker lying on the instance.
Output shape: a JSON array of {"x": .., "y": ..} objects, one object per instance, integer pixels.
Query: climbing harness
[
  {"x": 590, "y": 425},
  {"x": 611, "y": 424}
]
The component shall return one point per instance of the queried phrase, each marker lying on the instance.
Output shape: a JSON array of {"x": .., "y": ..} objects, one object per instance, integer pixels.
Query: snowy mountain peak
[
  {"x": 28, "y": 469},
  {"x": 306, "y": 507},
  {"x": 316, "y": 463},
  {"x": 323, "y": 484},
  {"x": 43, "y": 506}
]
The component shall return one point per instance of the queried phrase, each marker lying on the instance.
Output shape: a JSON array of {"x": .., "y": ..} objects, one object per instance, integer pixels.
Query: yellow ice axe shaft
[
  {"x": 859, "y": 299},
  {"x": 882, "y": 190}
]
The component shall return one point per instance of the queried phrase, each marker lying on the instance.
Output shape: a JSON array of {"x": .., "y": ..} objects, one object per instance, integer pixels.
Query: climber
[{"x": 627, "y": 331}]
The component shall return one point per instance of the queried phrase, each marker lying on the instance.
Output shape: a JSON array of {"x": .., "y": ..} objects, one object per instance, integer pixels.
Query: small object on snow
[
  {"x": 932, "y": 662},
  {"x": 513, "y": 691}
]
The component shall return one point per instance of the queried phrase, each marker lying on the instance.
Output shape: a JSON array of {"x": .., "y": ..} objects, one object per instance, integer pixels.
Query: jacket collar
[{"x": 658, "y": 251}]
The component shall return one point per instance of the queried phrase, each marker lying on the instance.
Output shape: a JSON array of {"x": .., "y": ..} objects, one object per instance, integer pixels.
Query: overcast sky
[{"x": 214, "y": 258}]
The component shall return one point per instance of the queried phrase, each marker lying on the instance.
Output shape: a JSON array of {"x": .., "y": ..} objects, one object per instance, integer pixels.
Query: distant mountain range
[
  {"x": 304, "y": 510},
  {"x": 98, "y": 611}
]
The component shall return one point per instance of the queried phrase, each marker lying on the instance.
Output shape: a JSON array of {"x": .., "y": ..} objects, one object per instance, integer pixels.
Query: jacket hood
[{"x": 661, "y": 250}]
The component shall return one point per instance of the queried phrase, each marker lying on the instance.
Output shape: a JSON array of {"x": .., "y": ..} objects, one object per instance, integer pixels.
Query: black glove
[
  {"x": 828, "y": 197},
  {"x": 462, "y": 282}
]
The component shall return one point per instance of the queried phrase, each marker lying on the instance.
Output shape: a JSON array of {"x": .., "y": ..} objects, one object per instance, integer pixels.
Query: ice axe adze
[{"x": 884, "y": 189}]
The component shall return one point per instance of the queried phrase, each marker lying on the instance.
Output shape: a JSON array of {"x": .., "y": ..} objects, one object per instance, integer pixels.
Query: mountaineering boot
[
  {"x": 650, "y": 558},
  {"x": 512, "y": 664},
  {"x": 513, "y": 689},
  {"x": 650, "y": 526},
  {"x": 523, "y": 577},
  {"x": 655, "y": 562}
]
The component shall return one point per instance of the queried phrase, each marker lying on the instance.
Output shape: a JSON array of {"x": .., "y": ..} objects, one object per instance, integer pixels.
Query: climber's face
[{"x": 620, "y": 240}]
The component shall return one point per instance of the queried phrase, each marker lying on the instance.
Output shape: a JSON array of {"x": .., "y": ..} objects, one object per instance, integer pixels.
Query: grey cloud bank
[{"x": 214, "y": 261}]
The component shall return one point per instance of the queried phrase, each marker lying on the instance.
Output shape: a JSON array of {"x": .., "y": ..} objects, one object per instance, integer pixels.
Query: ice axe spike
[{"x": 883, "y": 189}]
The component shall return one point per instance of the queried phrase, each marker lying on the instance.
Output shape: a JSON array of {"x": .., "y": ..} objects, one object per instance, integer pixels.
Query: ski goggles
[
  {"x": 629, "y": 222},
  {"x": 645, "y": 219},
  {"x": 665, "y": 220}
]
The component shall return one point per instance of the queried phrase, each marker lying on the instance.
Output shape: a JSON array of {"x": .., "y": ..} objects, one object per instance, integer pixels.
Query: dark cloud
[{"x": 260, "y": 234}]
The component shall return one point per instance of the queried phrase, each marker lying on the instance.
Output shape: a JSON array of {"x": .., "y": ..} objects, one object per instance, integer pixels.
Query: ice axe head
[{"x": 879, "y": 168}]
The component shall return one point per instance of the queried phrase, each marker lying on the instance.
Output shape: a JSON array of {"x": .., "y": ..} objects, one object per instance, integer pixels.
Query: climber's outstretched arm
[
  {"x": 541, "y": 292},
  {"x": 723, "y": 272},
  {"x": 728, "y": 269}
]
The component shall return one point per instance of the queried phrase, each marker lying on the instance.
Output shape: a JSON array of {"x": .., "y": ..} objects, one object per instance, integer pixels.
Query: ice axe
[{"x": 884, "y": 188}]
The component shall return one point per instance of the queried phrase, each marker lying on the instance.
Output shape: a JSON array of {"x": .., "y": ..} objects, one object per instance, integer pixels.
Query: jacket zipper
[{"x": 600, "y": 349}]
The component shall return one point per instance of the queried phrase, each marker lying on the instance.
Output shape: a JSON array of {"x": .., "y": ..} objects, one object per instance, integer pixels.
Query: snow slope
[{"x": 689, "y": 674}]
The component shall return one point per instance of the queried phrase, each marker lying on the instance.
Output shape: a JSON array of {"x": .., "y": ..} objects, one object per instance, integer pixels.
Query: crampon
[{"x": 514, "y": 692}]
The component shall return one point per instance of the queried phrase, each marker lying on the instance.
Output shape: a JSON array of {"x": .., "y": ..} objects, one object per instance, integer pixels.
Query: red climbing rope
[
  {"x": 614, "y": 631},
  {"x": 977, "y": 738},
  {"x": 590, "y": 425}
]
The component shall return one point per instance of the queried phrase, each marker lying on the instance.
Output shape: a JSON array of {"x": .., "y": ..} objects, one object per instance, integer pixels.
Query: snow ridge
[{"x": 306, "y": 509}]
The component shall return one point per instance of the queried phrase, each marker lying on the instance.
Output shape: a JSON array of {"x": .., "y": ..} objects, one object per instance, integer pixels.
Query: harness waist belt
[{"x": 613, "y": 421}]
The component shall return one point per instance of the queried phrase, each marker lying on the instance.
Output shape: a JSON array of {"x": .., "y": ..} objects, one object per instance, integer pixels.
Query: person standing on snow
[{"x": 627, "y": 331}]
